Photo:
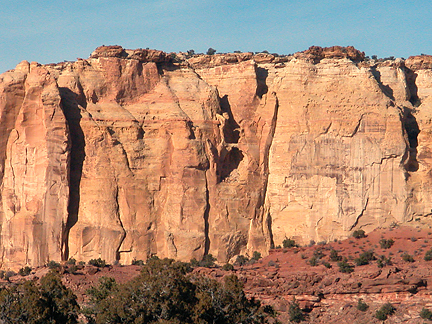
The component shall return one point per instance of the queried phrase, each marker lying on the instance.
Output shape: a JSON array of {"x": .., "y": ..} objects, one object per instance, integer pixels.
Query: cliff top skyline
[{"x": 48, "y": 32}]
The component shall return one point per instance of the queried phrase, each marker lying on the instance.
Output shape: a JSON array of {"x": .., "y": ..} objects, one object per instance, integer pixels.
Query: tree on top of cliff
[{"x": 211, "y": 51}]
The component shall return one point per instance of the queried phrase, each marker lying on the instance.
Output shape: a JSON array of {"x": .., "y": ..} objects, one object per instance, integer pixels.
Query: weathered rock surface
[{"x": 132, "y": 153}]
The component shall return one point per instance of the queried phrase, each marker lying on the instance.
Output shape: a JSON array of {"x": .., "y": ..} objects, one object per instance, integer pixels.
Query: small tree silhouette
[{"x": 211, "y": 51}]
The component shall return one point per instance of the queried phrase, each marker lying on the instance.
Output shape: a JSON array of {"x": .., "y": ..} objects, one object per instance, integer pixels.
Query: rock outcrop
[{"x": 133, "y": 153}]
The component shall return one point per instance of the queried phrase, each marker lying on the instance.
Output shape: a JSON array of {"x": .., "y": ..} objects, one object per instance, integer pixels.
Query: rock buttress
[{"x": 35, "y": 187}]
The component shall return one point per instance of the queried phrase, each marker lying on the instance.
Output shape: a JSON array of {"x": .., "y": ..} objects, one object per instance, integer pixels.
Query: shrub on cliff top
[{"x": 211, "y": 51}]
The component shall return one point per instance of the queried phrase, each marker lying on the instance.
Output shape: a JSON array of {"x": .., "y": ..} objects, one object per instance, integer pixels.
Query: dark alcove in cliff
[
  {"x": 229, "y": 162},
  {"x": 231, "y": 130},
  {"x": 262, "y": 87},
  {"x": 412, "y": 130}
]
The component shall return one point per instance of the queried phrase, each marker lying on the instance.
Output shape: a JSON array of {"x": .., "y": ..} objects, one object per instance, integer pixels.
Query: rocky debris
[
  {"x": 328, "y": 296},
  {"x": 419, "y": 62},
  {"x": 317, "y": 53},
  {"x": 142, "y": 55}
]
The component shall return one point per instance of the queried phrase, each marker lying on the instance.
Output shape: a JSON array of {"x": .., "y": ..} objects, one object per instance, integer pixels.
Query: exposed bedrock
[{"x": 134, "y": 153}]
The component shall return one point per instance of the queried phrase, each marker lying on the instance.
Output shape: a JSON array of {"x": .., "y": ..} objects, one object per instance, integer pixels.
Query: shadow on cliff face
[
  {"x": 384, "y": 88},
  {"x": 411, "y": 78},
  {"x": 71, "y": 110},
  {"x": 262, "y": 87},
  {"x": 412, "y": 130},
  {"x": 410, "y": 123},
  {"x": 230, "y": 162},
  {"x": 232, "y": 129}
]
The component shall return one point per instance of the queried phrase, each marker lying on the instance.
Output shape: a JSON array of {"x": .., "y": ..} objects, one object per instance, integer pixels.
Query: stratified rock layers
[{"x": 129, "y": 154}]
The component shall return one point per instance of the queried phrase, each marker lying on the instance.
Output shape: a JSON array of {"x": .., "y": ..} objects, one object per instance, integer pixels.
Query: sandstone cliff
[{"x": 133, "y": 153}]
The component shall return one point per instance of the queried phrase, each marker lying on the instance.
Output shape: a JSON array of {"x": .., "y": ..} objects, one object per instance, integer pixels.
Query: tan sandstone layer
[{"x": 133, "y": 153}]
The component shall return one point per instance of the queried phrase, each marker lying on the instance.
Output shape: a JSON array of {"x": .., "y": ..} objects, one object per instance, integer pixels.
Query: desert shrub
[
  {"x": 407, "y": 257},
  {"x": 311, "y": 243},
  {"x": 358, "y": 234},
  {"x": 97, "y": 263},
  {"x": 295, "y": 313},
  {"x": 426, "y": 314},
  {"x": 208, "y": 261},
  {"x": 288, "y": 243},
  {"x": 47, "y": 302},
  {"x": 9, "y": 274},
  {"x": 165, "y": 293},
  {"x": 413, "y": 239},
  {"x": 345, "y": 267},
  {"x": 364, "y": 258},
  {"x": 71, "y": 261},
  {"x": 428, "y": 255},
  {"x": 272, "y": 263},
  {"x": 2, "y": 274},
  {"x": 386, "y": 244},
  {"x": 72, "y": 269},
  {"x": 53, "y": 265},
  {"x": 386, "y": 310},
  {"x": 24, "y": 271},
  {"x": 137, "y": 262},
  {"x": 241, "y": 260},
  {"x": 227, "y": 267},
  {"x": 334, "y": 256},
  {"x": 362, "y": 306},
  {"x": 303, "y": 256},
  {"x": 313, "y": 261},
  {"x": 327, "y": 265},
  {"x": 383, "y": 261},
  {"x": 256, "y": 256},
  {"x": 318, "y": 254}
]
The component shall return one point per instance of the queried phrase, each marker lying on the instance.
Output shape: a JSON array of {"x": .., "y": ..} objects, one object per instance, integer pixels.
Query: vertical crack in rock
[
  {"x": 265, "y": 170},
  {"x": 72, "y": 113},
  {"x": 359, "y": 215},
  {"x": 206, "y": 218},
  {"x": 124, "y": 233}
]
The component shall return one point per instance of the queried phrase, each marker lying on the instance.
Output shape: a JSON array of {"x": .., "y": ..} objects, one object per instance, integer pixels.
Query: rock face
[{"x": 133, "y": 153}]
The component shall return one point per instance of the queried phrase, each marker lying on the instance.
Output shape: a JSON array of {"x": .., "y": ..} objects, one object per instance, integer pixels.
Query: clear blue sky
[{"x": 52, "y": 31}]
